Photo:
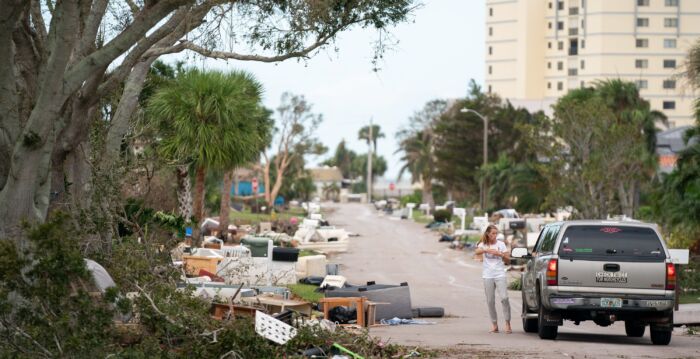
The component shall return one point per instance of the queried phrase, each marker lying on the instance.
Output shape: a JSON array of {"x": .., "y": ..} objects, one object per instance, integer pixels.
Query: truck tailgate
[{"x": 611, "y": 274}]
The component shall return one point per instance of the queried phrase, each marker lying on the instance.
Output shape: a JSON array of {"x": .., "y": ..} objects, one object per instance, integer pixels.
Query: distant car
[{"x": 604, "y": 271}]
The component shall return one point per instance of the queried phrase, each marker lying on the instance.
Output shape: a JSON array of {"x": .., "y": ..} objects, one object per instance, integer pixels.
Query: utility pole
[{"x": 369, "y": 164}]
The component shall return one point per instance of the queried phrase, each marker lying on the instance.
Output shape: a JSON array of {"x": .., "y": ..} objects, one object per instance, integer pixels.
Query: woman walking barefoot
[{"x": 494, "y": 275}]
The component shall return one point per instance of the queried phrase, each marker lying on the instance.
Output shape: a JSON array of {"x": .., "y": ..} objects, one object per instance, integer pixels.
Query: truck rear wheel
[
  {"x": 545, "y": 331},
  {"x": 529, "y": 325},
  {"x": 634, "y": 329},
  {"x": 660, "y": 336}
]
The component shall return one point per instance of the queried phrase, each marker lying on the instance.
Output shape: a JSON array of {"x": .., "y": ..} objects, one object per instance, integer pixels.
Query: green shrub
[
  {"x": 442, "y": 215},
  {"x": 516, "y": 284}
]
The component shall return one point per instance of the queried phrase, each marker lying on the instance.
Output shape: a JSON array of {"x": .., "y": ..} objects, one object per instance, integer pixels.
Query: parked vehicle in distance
[{"x": 604, "y": 271}]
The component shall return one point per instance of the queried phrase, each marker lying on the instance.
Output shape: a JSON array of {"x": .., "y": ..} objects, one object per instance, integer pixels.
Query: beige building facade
[{"x": 537, "y": 50}]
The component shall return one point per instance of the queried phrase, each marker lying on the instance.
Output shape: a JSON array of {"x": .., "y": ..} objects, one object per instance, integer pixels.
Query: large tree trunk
[
  {"x": 184, "y": 192},
  {"x": 199, "y": 201},
  {"x": 428, "y": 193},
  {"x": 225, "y": 203}
]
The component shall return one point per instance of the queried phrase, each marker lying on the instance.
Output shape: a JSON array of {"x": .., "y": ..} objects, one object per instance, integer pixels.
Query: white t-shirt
[{"x": 493, "y": 265}]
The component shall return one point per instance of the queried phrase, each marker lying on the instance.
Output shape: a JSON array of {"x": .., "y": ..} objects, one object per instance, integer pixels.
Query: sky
[{"x": 439, "y": 51}]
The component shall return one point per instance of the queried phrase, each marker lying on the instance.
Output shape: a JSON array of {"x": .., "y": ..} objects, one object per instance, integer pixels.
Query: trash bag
[
  {"x": 313, "y": 280},
  {"x": 342, "y": 315}
]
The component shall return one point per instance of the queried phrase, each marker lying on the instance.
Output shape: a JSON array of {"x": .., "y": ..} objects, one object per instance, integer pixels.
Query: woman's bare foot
[
  {"x": 508, "y": 328},
  {"x": 494, "y": 329}
]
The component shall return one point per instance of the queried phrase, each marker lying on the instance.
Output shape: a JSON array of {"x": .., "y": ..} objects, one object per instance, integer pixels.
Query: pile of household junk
[{"x": 252, "y": 277}]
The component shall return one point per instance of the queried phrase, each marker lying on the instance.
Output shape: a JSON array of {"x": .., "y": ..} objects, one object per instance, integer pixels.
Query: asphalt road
[{"x": 390, "y": 251}]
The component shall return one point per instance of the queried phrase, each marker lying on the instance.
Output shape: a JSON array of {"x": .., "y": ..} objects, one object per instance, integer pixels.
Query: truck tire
[
  {"x": 660, "y": 336},
  {"x": 634, "y": 329},
  {"x": 545, "y": 331},
  {"x": 529, "y": 325}
]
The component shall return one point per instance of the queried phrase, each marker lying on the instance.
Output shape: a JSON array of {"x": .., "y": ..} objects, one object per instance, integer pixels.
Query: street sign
[
  {"x": 254, "y": 182},
  {"x": 392, "y": 186}
]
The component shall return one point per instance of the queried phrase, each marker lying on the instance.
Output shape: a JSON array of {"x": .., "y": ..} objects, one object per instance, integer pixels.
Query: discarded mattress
[{"x": 399, "y": 297}]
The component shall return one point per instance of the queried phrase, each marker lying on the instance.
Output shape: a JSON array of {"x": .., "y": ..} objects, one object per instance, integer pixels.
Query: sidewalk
[{"x": 687, "y": 314}]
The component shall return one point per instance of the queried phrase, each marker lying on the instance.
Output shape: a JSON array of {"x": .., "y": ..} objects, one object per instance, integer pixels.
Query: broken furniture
[
  {"x": 194, "y": 263},
  {"x": 399, "y": 297},
  {"x": 311, "y": 266},
  {"x": 222, "y": 311},
  {"x": 357, "y": 302},
  {"x": 276, "y": 304}
]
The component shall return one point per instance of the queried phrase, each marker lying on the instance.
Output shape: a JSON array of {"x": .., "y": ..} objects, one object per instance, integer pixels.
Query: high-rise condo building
[{"x": 536, "y": 50}]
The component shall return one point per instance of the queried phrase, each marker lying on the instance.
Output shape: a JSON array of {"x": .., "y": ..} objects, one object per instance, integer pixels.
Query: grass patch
[
  {"x": 690, "y": 298},
  {"x": 419, "y": 217},
  {"x": 306, "y": 292},
  {"x": 246, "y": 217},
  {"x": 308, "y": 252}
]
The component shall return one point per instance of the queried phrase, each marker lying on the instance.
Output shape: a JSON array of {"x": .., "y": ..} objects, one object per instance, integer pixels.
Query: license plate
[{"x": 611, "y": 302}]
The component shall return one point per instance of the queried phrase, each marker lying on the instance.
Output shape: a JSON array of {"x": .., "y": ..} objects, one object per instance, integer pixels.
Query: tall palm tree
[
  {"x": 209, "y": 120},
  {"x": 419, "y": 158},
  {"x": 376, "y": 134}
]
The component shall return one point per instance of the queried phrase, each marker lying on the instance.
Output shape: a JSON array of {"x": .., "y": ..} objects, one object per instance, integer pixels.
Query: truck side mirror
[{"x": 520, "y": 252}]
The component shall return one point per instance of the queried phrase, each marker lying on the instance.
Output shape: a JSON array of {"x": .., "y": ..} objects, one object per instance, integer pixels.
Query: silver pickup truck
[{"x": 604, "y": 271}]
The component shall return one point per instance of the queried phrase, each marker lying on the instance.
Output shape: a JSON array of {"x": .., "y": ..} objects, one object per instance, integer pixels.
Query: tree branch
[{"x": 132, "y": 5}]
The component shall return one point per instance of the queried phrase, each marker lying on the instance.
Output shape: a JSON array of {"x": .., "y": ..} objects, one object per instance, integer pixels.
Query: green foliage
[
  {"x": 415, "y": 197},
  {"x": 379, "y": 165},
  {"x": 516, "y": 284},
  {"x": 515, "y": 185},
  {"x": 364, "y": 134},
  {"x": 676, "y": 202},
  {"x": 459, "y": 140},
  {"x": 442, "y": 215},
  {"x": 343, "y": 159},
  {"x": 45, "y": 305},
  {"x": 596, "y": 149},
  {"x": 210, "y": 118}
]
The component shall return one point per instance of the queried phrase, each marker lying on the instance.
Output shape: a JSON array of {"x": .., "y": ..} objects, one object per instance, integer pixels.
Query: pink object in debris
[{"x": 293, "y": 220}]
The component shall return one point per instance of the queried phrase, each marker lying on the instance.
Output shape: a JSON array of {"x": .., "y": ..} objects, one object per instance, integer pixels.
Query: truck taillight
[
  {"x": 552, "y": 272},
  {"x": 670, "y": 276}
]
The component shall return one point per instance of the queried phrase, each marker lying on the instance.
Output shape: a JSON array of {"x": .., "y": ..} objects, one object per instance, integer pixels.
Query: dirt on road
[{"x": 391, "y": 251}]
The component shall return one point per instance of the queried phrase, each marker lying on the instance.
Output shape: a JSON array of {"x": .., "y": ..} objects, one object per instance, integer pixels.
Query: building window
[
  {"x": 560, "y": 5},
  {"x": 583, "y": 84},
  {"x": 671, "y": 2},
  {"x": 583, "y": 44},
  {"x": 642, "y": 22},
  {"x": 669, "y": 105},
  {"x": 573, "y": 72},
  {"x": 560, "y": 85},
  {"x": 583, "y": 24},
  {"x": 573, "y": 11},
  {"x": 490, "y": 31},
  {"x": 560, "y": 45},
  {"x": 560, "y": 65},
  {"x": 583, "y": 3},
  {"x": 670, "y": 22},
  {"x": 490, "y": 69},
  {"x": 490, "y": 50},
  {"x": 642, "y": 84},
  {"x": 669, "y": 64},
  {"x": 583, "y": 64},
  {"x": 549, "y": 25},
  {"x": 642, "y": 43},
  {"x": 549, "y": 64},
  {"x": 573, "y": 47},
  {"x": 669, "y": 84},
  {"x": 641, "y": 63},
  {"x": 549, "y": 85},
  {"x": 489, "y": 88},
  {"x": 560, "y": 25},
  {"x": 490, "y": 11},
  {"x": 670, "y": 43},
  {"x": 642, "y": 2},
  {"x": 550, "y": 4}
]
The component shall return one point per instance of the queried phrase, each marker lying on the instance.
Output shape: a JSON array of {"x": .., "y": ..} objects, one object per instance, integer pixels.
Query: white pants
[{"x": 491, "y": 286}]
